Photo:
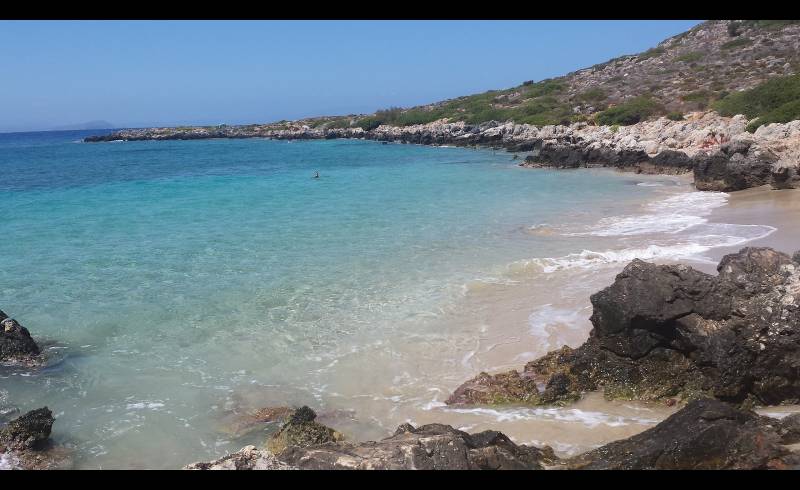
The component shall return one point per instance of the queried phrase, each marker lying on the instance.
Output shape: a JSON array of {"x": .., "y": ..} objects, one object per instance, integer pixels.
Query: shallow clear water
[{"x": 178, "y": 284}]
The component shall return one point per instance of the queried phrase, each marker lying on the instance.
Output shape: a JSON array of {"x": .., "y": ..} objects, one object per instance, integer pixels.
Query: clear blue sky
[{"x": 141, "y": 73}]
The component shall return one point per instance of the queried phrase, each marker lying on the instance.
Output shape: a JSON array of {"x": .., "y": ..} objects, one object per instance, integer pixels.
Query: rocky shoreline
[
  {"x": 670, "y": 332},
  {"x": 706, "y": 434},
  {"x": 718, "y": 150},
  {"x": 715, "y": 345}
]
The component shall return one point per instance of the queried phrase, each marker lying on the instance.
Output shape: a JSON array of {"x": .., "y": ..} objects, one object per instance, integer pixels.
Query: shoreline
[{"x": 718, "y": 150}]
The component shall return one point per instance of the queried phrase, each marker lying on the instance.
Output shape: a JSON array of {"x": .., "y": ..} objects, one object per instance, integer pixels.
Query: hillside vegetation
[
  {"x": 776, "y": 100},
  {"x": 713, "y": 65}
]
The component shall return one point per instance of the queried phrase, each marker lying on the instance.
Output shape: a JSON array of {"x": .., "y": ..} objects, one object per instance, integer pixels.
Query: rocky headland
[{"x": 719, "y": 151}]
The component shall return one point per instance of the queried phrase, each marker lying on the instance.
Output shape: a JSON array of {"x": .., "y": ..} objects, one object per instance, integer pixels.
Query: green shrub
[
  {"x": 339, "y": 123},
  {"x": 675, "y": 116},
  {"x": 701, "y": 97},
  {"x": 592, "y": 95},
  {"x": 545, "y": 87},
  {"x": 781, "y": 114},
  {"x": 761, "y": 99},
  {"x": 776, "y": 100},
  {"x": 737, "y": 43},
  {"x": 368, "y": 123},
  {"x": 772, "y": 25},
  {"x": 690, "y": 57},
  {"x": 629, "y": 112},
  {"x": 651, "y": 53}
]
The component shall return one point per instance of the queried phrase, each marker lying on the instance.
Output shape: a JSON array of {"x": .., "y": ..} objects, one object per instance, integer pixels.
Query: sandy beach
[{"x": 765, "y": 206}]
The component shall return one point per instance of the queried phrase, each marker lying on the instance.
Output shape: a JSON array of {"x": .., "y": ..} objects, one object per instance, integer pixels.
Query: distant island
[{"x": 99, "y": 124}]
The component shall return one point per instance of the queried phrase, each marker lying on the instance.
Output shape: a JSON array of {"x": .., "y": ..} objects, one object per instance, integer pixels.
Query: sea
[{"x": 177, "y": 287}]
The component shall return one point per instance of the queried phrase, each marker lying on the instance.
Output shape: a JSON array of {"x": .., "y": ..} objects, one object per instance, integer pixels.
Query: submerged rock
[
  {"x": 671, "y": 331},
  {"x": 16, "y": 343},
  {"x": 240, "y": 424},
  {"x": 706, "y": 434}
]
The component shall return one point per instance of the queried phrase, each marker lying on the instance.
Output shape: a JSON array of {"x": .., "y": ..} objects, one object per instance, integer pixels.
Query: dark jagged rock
[
  {"x": 706, "y": 434},
  {"x": 734, "y": 167},
  {"x": 671, "y": 331},
  {"x": 16, "y": 343},
  {"x": 300, "y": 431},
  {"x": 785, "y": 177},
  {"x": 429, "y": 447},
  {"x": 432, "y": 446},
  {"x": 30, "y": 431},
  {"x": 789, "y": 429}
]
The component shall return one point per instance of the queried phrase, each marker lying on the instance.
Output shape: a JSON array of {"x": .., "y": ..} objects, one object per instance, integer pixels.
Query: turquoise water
[{"x": 173, "y": 279}]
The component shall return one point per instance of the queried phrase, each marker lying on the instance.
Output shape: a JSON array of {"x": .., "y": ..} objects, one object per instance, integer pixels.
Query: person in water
[{"x": 316, "y": 175}]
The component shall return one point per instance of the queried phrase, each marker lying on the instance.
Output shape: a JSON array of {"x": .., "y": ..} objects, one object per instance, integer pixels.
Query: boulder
[
  {"x": 429, "y": 447},
  {"x": 300, "y": 431},
  {"x": 705, "y": 435},
  {"x": 663, "y": 331},
  {"x": 30, "y": 431},
  {"x": 16, "y": 343},
  {"x": 734, "y": 167}
]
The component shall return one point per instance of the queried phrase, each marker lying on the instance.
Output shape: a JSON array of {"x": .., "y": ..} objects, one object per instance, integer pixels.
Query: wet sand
[{"x": 765, "y": 206}]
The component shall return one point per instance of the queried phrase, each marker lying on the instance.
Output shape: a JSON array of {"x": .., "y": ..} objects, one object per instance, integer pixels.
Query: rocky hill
[
  {"x": 687, "y": 72},
  {"x": 721, "y": 100}
]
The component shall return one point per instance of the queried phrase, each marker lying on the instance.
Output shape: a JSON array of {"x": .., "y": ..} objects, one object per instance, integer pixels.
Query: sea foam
[{"x": 677, "y": 229}]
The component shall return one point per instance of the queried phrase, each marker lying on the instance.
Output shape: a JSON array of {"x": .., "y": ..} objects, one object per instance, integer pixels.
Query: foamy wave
[
  {"x": 588, "y": 258},
  {"x": 672, "y": 215},
  {"x": 8, "y": 462},
  {"x": 588, "y": 418},
  {"x": 705, "y": 238},
  {"x": 484, "y": 283},
  {"x": 144, "y": 405},
  {"x": 547, "y": 322}
]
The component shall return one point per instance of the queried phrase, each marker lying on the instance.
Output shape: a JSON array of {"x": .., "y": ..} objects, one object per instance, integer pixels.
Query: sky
[{"x": 146, "y": 73}]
